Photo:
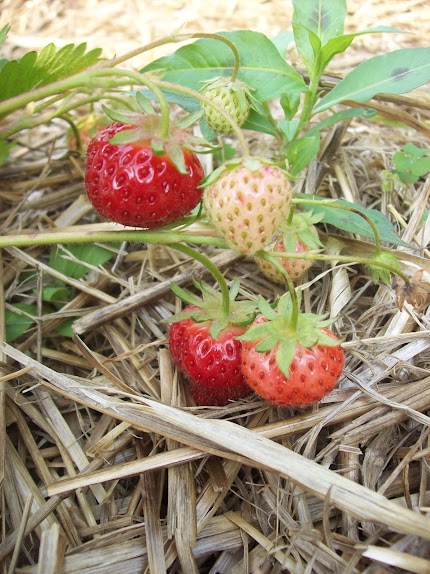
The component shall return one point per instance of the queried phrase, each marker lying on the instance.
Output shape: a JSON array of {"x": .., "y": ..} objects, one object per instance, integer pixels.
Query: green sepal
[
  {"x": 176, "y": 154},
  {"x": 127, "y": 136},
  {"x": 379, "y": 273},
  {"x": 186, "y": 296},
  {"x": 123, "y": 116},
  {"x": 190, "y": 119},
  {"x": 285, "y": 355},
  {"x": 209, "y": 307},
  {"x": 265, "y": 308},
  {"x": 144, "y": 103}
]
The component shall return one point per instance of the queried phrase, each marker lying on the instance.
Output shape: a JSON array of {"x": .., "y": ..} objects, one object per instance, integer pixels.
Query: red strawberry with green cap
[
  {"x": 204, "y": 347},
  {"x": 135, "y": 177},
  {"x": 290, "y": 363},
  {"x": 297, "y": 234},
  {"x": 247, "y": 200},
  {"x": 233, "y": 97}
]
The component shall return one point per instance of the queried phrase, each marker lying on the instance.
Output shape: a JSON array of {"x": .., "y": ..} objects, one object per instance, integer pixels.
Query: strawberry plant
[{"x": 143, "y": 171}]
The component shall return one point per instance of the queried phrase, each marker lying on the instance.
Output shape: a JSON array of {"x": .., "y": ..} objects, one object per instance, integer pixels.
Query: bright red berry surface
[
  {"x": 212, "y": 367},
  {"x": 129, "y": 184},
  {"x": 314, "y": 372}
]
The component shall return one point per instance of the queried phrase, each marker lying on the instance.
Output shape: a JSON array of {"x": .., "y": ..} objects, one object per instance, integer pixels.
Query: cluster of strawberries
[{"x": 226, "y": 352}]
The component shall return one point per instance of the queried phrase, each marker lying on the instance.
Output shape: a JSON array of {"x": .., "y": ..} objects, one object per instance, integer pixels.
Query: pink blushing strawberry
[{"x": 247, "y": 202}]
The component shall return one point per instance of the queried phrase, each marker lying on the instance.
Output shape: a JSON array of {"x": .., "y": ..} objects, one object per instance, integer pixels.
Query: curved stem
[
  {"x": 189, "y": 92},
  {"x": 176, "y": 39},
  {"x": 345, "y": 208},
  {"x": 290, "y": 285},
  {"x": 229, "y": 44},
  {"x": 218, "y": 276},
  {"x": 342, "y": 259}
]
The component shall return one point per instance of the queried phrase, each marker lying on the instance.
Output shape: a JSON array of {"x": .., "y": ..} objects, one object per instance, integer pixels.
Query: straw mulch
[{"x": 106, "y": 463}]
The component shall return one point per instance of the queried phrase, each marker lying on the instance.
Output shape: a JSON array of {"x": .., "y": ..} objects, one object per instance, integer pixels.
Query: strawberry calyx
[
  {"x": 252, "y": 164},
  {"x": 209, "y": 307},
  {"x": 148, "y": 129},
  {"x": 383, "y": 263},
  {"x": 279, "y": 329},
  {"x": 299, "y": 229}
]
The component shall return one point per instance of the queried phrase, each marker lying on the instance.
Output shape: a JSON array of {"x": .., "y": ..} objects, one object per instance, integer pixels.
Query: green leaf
[
  {"x": 283, "y": 40},
  {"x": 3, "y": 33},
  {"x": 259, "y": 123},
  {"x": 415, "y": 151},
  {"x": 93, "y": 255},
  {"x": 261, "y": 66},
  {"x": 393, "y": 73},
  {"x": 340, "y": 117},
  {"x": 411, "y": 163},
  {"x": 289, "y": 128},
  {"x": 351, "y": 221},
  {"x": 18, "y": 322},
  {"x": 301, "y": 152},
  {"x": 290, "y": 104},
  {"x": 5, "y": 148},
  {"x": 309, "y": 47},
  {"x": 35, "y": 70},
  {"x": 65, "y": 328},
  {"x": 55, "y": 294},
  {"x": 325, "y": 19},
  {"x": 339, "y": 44}
]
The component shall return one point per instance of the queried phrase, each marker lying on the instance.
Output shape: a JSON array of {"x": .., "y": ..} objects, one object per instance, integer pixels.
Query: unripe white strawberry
[
  {"x": 247, "y": 202},
  {"x": 234, "y": 97}
]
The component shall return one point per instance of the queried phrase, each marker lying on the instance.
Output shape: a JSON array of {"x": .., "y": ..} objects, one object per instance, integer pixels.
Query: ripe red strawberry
[
  {"x": 204, "y": 347},
  {"x": 212, "y": 366},
  {"x": 288, "y": 366},
  {"x": 247, "y": 202},
  {"x": 128, "y": 183},
  {"x": 232, "y": 96},
  {"x": 296, "y": 236}
]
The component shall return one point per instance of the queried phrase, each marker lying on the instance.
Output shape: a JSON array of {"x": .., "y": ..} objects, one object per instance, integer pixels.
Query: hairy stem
[
  {"x": 345, "y": 208},
  {"x": 268, "y": 256},
  {"x": 218, "y": 276}
]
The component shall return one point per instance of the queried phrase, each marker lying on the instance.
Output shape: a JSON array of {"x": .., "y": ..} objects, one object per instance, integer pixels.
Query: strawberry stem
[
  {"x": 142, "y": 236},
  {"x": 341, "y": 259},
  {"x": 351, "y": 210},
  {"x": 218, "y": 276},
  {"x": 290, "y": 285},
  {"x": 189, "y": 92},
  {"x": 176, "y": 39}
]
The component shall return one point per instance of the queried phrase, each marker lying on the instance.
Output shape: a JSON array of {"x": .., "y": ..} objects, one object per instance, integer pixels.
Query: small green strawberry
[
  {"x": 297, "y": 234},
  {"x": 234, "y": 97},
  {"x": 247, "y": 200}
]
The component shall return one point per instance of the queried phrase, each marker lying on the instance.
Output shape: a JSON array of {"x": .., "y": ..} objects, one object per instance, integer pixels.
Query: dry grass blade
[{"x": 182, "y": 426}]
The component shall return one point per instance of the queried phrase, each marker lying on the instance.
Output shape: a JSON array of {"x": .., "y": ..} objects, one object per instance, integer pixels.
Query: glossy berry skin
[
  {"x": 212, "y": 367},
  {"x": 295, "y": 268},
  {"x": 129, "y": 184},
  {"x": 314, "y": 372},
  {"x": 246, "y": 206}
]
